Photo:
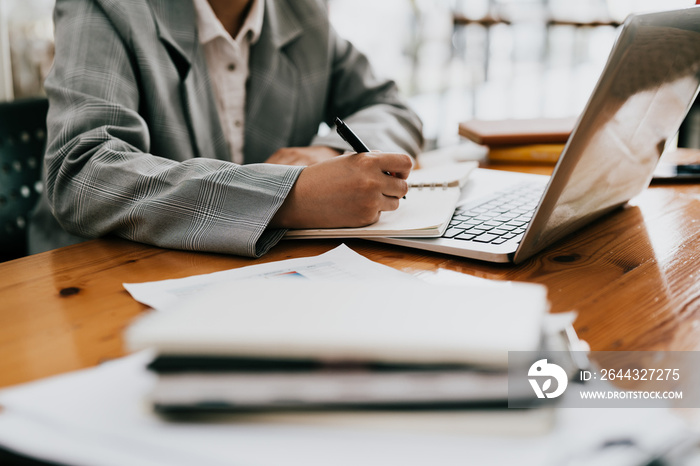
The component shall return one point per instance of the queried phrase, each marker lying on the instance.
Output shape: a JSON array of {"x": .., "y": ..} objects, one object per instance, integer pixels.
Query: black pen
[{"x": 351, "y": 138}]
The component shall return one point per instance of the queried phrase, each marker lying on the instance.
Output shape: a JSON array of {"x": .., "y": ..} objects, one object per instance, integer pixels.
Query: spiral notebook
[{"x": 425, "y": 213}]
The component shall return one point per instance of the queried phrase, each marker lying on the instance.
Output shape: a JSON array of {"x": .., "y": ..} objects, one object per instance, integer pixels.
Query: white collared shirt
[{"x": 227, "y": 61}]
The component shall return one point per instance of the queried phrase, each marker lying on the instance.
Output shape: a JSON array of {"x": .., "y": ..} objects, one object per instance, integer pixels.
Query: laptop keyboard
[{"x": 502, "y": 218}]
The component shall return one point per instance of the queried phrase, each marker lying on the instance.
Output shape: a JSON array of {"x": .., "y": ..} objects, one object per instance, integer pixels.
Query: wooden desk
[{"x": 633, "y": 277}]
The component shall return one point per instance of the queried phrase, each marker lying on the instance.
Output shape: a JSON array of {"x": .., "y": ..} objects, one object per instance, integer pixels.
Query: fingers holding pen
[
  {"x": 380, "y": 182},
  {"x": 395, "y": 168},
  {"x": 394, "y": 186},
  {"x": 346, "y": 191},
  {"x": 398, "y": 165}
]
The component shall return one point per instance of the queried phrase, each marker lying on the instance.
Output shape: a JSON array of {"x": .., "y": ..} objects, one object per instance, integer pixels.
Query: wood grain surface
[{"x": 632, "y": 276}]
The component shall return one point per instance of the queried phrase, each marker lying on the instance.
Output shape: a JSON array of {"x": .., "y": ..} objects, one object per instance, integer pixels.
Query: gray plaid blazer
[{"x": 135, "y": 147}]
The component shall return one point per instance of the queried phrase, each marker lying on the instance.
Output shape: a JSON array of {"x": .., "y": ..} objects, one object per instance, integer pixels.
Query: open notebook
[{"x": 425, "y": 213}]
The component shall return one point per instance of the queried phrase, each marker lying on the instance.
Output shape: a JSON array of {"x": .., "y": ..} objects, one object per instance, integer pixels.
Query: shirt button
[
  {"x": 238, "y": 123},
  {"x": 232, "y": 67}
]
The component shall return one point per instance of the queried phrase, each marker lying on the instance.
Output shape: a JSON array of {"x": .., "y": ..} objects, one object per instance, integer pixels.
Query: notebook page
[{"x": 424, "y": 213}]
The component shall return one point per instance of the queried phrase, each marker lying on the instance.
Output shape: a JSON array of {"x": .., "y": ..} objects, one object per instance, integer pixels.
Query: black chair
[{"x": 22, "y": 143}]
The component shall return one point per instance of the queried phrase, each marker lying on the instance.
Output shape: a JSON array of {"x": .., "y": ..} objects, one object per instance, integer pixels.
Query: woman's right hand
[{"x": 346, "y": 191}]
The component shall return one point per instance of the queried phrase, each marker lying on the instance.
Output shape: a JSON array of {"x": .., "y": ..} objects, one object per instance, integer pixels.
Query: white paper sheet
[
  {"x": 341, "y": 263},
  {"x": 97, "y": 417}
]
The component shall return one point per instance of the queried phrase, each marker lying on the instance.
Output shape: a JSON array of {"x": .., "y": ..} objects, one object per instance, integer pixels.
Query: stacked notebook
[
  {"x": 538, "y": 140},
  {"x": 323, "y": 344}
]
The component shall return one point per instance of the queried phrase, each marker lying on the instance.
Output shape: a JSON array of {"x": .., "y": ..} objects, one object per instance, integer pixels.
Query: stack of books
[
  {"x": 539, "y": 140},
  {"x": 316, "y": 345}
]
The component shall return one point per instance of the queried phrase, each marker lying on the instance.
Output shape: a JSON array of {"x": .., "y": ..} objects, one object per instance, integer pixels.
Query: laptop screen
[{"x": 646, "y": 89}]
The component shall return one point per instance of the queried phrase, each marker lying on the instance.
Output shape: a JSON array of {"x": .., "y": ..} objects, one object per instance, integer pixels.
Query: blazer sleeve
[
  {"x": 101, "y": 178},
  {"x": 370, "y": 105}
]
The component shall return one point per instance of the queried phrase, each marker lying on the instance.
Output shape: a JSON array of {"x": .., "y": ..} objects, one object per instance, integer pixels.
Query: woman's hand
[{"x": 345, "y": 191}]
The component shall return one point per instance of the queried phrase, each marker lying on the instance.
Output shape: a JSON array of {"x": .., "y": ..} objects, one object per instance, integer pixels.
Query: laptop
[{"x": 648, "y": 85}]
